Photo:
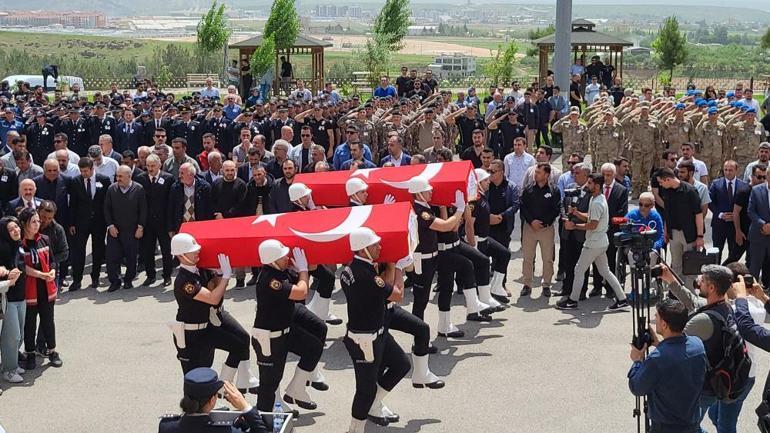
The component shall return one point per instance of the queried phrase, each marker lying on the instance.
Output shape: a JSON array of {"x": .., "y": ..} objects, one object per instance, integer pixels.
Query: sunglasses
[
  {"x": 160, "y": 136},
  {"x": 572, "y": 162},
  {"x": 304, "y": 135},
  {"x": 58, "y": 141},
  {"x": 645, "y": 205}
]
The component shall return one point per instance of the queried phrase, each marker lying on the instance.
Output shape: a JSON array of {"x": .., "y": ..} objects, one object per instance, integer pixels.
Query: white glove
[
  {"x": 459, "y": 201},
  {"x": 224, "y": 266},
  {"x": 404, "y": 263},
  {"x": 389, "y": 199},
  {"x": 299, "y": 260},
  {"x": 310, "y": 204}
]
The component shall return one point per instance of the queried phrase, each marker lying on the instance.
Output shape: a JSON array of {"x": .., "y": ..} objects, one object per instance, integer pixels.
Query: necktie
[
  {"x": 29, "y": 204},
  {"x": 157, "y": 124},
  {"x": 88, "y": 187},
  {"x": 607, "y": 191},
  {"x": 154, "y": 179},
  {"x": 730, "y": 190}
]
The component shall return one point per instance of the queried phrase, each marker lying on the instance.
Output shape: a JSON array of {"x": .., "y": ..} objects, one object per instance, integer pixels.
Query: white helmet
[
  {"x": 362, "y": 237},
  {"x": 355, "y": 185},
  {"x": 183, "y": 243},
  {"x": 481, "y": 174},
  {"x": 419, "y": 184},
  {"x": 298, "y": 190},
  {"x": 272, "y": 250}
]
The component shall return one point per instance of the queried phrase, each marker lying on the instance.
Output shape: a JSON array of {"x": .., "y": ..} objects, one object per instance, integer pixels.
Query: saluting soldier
[
  {"x": 195, "y": 291},
  {"x": 574, "y": 134},
  {"x": 744, "y": 138},
  {"x": 378, "y": 361},
  {"x": 711, "y": 135},
  {"x": 606, "y": 138},
  {"x": 642, "y": 138},
  {"x": 677, "y": 129}
]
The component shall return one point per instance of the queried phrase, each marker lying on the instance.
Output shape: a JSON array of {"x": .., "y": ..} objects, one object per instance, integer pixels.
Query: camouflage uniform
[
  {"x": 606, "y": 142},
  {"x": 642, "y": 137},
  {"x": 367, "y": 133},
  {"x": 574, "y": 137},
  {"x": 676, "y": 132},
  {"x": 711, "y": 137},
  {"x": 388, "y": 127},
  {"x": 743, "y": 141}
]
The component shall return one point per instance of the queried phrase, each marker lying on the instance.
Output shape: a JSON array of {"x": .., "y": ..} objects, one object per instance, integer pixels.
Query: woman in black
[
  {"x": 284, "y": 325},
  {"x": 39, "y": 289},
  {"x": 378, "y": 361},
  {"x": 12, "y": 301}
]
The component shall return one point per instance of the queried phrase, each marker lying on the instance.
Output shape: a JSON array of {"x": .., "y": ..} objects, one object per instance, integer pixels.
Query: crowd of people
[{"x": 125, "y": 169}]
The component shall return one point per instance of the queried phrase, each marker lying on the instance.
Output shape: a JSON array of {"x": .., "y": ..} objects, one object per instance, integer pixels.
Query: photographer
[
  {"x": 595, "y": 246},
  {"x": 574, "y": 196},
  {"x": 672, "y": 376},
  {"x": 713, "y": 283}
]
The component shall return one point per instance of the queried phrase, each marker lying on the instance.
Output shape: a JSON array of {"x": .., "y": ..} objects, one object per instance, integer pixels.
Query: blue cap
[
  {"x": 745, "y": 107},
  {"x": 712, "y": 103},
  {"x": 730, "y": 94},
  {"x": 679, "y": 106},
  {"x": 751, "y": 110},
  {"x": 712, "y": 110},
  {"x": 701, "y": 102},
  {"x": 698, "y": 92},
  {"x": 201, "y": 383},
  {"x": 690, "y": 93}
]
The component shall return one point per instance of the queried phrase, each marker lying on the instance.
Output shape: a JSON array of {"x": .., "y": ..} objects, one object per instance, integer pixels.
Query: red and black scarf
[{"x": 36, "y": 255}]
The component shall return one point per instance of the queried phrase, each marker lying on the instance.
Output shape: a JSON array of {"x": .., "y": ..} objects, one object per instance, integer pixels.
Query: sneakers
[
  {"x": 20, "y": 370},
  {"x": 546, "y": 292},
  {"x": 30, "y": 363},
  {"x": 54, "y": 359},
  {"x": 567, "y": 304},
  {"x": 619, "y": 305},
  {"x": 12, "y": 377},
  {"x": 526, "y": 291},
  {"x": 331, "y": 319}
]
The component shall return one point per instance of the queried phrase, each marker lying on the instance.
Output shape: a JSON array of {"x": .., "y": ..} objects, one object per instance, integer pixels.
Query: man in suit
[
  {"x": 87, "y": 192},
  {"x": 51, "y": 185},
  {"x": 723, "y": 192},
  {"x": 396, "y": 153},
  {"x": 189, "y": 199},
  {"x": 130, "y": 134},
  {"x": 245, "y": 171},
  {"x": 9, "y": 186},
  {"x": 125, "y": 212},
  {"x": 26, "y": 198},
  {"x": 617, "y": 203},
  {"x": 157, "y": 122},
  {"x": 759, "y": 232},
  {"x": 157, "y": 187},
  {"x": 214, "y": 171},
  {"x": 190, "y": 130}
]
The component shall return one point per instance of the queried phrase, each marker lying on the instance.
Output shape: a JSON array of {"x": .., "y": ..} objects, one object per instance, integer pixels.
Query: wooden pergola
[
  {"x": 302, "y": 46},
  {"x": 584, "y": 40}
]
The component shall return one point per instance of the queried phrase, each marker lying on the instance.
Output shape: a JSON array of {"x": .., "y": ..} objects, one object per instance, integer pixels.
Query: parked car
[{"x": 37, "y": 80}]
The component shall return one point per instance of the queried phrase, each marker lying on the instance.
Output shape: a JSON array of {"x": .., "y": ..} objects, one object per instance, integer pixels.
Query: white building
[{"x": 455, "y": 65}]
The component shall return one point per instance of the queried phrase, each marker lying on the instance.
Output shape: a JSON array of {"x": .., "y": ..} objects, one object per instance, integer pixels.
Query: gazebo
[
  {"x": 303, "y": 45},
  {"x": 584, "y": 40}
]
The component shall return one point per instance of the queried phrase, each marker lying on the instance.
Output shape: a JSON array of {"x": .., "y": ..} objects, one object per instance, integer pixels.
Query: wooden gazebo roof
[{"x": 303, "y": 41}]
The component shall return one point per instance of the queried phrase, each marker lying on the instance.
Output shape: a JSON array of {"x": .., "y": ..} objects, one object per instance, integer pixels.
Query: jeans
[
  {"x": 12, "y": 334},
  {"x": 706, "y": 401},
  {"x": 725, "y": 415}
]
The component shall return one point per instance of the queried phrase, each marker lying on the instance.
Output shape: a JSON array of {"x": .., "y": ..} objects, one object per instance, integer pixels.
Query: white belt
[
  {"x": 444, "y": 247},
  {"x": 263, "y": 337},
  {"x": 273, "y": 334},
  {"x": 195, "y": 326},
  {"x": 214, "y": 316},
  {"x": 419, "y": 257},
  {"x": 481, "y": 238},
  {"x": 365, "y": 340},
  {"x": 391, "y": 305},
  {"x": 178, "y": 328}
]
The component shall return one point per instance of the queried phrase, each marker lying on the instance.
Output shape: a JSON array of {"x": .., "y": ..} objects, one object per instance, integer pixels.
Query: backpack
[{"x": 728, "y": 376}]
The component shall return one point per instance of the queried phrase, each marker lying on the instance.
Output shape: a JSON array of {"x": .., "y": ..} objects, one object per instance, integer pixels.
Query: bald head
[
  {"x": 51, "y": 169},
  {"x": 27, "y": 189},
  {"x": 123, "y": 176}
]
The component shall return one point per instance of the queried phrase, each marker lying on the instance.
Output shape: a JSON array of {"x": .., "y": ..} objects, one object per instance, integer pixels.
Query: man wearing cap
[
  {"x": 342, "y": 152},
  {"x": 642, "y": 139},
  {"x": 574, "y": 134},
  {"x": 744, "y": 136},
  {"x": 393, "y": 124},
  {"x": 606, "y": 139},
  {"x": 379, "y": 361},
  {"x": 40, "y": 137},
  {"x": 422, "y": 130},
  {"x": 188, "y": 129},
  {"x": 712, "y": 135},
  {"x": 201, "y": 389},
  {"x": 9, "y": 123},
  {"x": 678, "y": 128},
  {"x": 468, "y": 120},
  {"x": 76, "y": 129},
  {"x": 100, "y": 123}
]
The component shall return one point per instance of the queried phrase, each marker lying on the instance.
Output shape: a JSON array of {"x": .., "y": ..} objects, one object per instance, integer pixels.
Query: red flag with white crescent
[
  {"x": 445, "y": 177},
  {"x": 323, "y": 234}
]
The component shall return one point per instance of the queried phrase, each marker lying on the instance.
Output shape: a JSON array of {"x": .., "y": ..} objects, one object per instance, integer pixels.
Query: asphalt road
[{"x": 534, "y": 369}]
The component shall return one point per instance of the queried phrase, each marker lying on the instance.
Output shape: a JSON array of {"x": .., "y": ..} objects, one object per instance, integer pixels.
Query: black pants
[
  {"x": 542, "y": 134},
  {"x": 97, "y": 232},
  {"x": 500, "y": 255},
  {"x": 124, "y": 247},
  {"x": 499, "y": 233},
  {"x": 612, "y": 253},
  {"x": 325, "y": 278},
  {"x": 421, "y": 286},
  {"x": 153, "y": 236},
  {"x": 479, "y": 260},
  {"x": 230, "y": 337},
  {"x": 44, "y": 309},
  {"x": 390, "y": 365},
  {"x": 572, "y": 251},
  {"x": 398, "y": 319},
  {"x": 198, "y": 351},
  {"x": 452, "y": 263},
  {"x": 305, "y": 339},
  {"x": 722, "y": 236}
]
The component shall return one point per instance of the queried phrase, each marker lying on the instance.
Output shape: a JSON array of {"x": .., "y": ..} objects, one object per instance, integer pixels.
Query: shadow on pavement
[{"x": 412, "y": 426}]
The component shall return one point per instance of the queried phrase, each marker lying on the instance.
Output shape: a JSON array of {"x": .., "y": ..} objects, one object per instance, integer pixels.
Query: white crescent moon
[
  {"x": 356, "y": 218},
  {"x": 428, "y": 173}
]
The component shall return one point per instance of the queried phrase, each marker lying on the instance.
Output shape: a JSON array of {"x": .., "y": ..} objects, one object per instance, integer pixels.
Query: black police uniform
[
  {"x": 426, "y": 252},
  {"x": 320, "y": 130},
  {"x": 228, "y": 335},
  {"x": 199, "y": 347},
  {"x": 366, "y": 295},
  {"x": 77, "y": 135},
  {"x": 293, "y": 329},
  {"x": 323, "y": 277},
  {"x": 450, "y": 264},
  {"x": 489, "y": 246},
  {"x": 249, "y": 422},
  {"x": 40, "y": 141}
]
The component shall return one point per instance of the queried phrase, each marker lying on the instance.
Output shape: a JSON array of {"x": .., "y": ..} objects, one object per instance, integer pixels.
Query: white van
[{"x": 37, "y": 80}]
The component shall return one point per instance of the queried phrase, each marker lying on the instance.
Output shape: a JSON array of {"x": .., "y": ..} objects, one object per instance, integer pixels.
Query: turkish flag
[
  {"x": 445, "y": 177},
  {"x": 323, "y": 234}
]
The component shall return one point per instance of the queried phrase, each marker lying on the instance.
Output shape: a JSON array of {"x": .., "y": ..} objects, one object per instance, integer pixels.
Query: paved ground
[{"x": 534, "y": 369}]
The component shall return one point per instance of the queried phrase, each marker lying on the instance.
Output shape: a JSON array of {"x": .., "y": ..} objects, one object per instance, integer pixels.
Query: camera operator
[
  {"x": 595, "y": 246},
  {"x": 574, "y": 196},
  {"x": 713, "y": 283},
  {"x": 617, "y": 205},
  {"x": 683, "y": 215},
  {"x": 672, "y": 376}
]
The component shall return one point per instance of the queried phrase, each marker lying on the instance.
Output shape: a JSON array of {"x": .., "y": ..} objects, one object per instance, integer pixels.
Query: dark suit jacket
[
  {"x": 721, "y": 202},
  {"x": 203, "y": 203},
  {"x": 254, "y": 194},
  {"x": 9, "y": 186},
  {"x": 129, "y": 138},
  {"x": 157, "y": 196},
  {"x": 206, "y": 175},
  {"x": 127, "y": 210},
  {"x": 617, "y": 205},
  {"x": 759, "y": 212},
  {"x": 98, "y": 127},
  {"x": 227, "y": 197},
  {"x": 149, "y": 131},
  {"x": 84, "y": 210},
  {"x": 57, "y": 192},
  {"x": 16, "y": 204},
  {"x": 192, "y": 133},
  {"x": 243, "y": 173}
]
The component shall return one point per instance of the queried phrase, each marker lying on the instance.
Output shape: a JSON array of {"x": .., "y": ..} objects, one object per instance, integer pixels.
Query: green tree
[
  {"x": 670, "y": 46},
  {"x": 765, "y": 43},
  {"x": 283, "y": 24},
  {"x": 541, "y": 33},
  {"x": 213, "y": 34},
  {"x": 263, "y": 57},
  {"x": 500, "y": 67},
  {"x": 392, "y": 23},
  {"x": 375, "y": 57}
]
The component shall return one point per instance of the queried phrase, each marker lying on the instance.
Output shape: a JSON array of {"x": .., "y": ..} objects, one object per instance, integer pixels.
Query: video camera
[
  {"x": 570, "y": 199},
  {"x": 638, "y": 238}
]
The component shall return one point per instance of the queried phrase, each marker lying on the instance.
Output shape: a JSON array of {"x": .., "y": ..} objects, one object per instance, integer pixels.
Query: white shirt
[
  {"x": 93, "y": 183},
  {"x": 753, "y": 103},
  {"x": 108, "y": 168},
  {"x": 71, "y": 171},
  {"x": 73, "y": 157},
  {"x": 598, "y": 211},
  {"x": 516, "y": 167},
  {"x": 700, "y": 167}
]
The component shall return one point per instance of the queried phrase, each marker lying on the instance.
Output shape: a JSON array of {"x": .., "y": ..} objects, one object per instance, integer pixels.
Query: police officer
[
  {"x": 396, "y": 317},
  {"x": 378, "y": 361},
  {"x": 192, "y": 336},
  {"x": 428, "y": 226},
  {"x": 201, "y": 386},
  {"x": 487, "y": 245},
  {"x": 283, "y": 325}
]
